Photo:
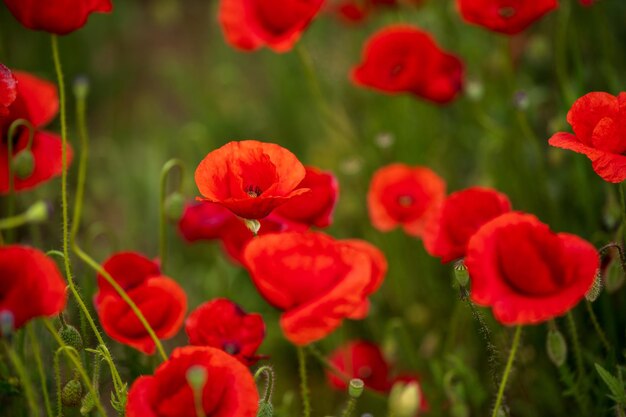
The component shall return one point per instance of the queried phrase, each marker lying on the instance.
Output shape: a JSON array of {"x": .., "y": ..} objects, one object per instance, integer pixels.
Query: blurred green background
[{"x": 164, "y": 84}]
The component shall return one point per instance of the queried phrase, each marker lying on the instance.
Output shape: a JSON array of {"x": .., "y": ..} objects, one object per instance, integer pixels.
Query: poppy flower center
[
  {"x": 253, "y": 191},
  {"x": 405, "y": 200},
  {"x": 507, "y": 12},
  {"x": 231, "y": 348},
  {"x": 396, "y": 70},
  {"x": 364, "y": 372}
]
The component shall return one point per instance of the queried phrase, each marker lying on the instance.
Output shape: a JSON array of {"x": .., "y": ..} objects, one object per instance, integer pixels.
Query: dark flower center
[
  {"x": 405, "y": 200},
  {"x": 507, "y": 12},
  {"x": 231, "y": 348},
  {"x": 253, "y": 191},
  {"x": 364, "y": 372}
]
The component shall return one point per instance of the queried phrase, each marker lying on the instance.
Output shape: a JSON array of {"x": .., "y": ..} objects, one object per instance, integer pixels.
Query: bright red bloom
[
  {"x": 401, "y": 195},
  {"x": 316, "y": 280},
  {"x": 8, "y": 89},
  {"x": 316, "y": 207},
  {"x": 355, "y": 11},
  {"x": 250, "y": 178},
  {"x": 161, "y": 300},
  {"x": 505, "y": 16},
  {"x": 222, "y": 324},
  {"x": 37, "y": 102},
  {"x": 403, "y": 59},
  {"x": 229, "y": 391},
  {"x": 204, "y": 221},
  {"x": 447, "y": 233},
  {"x": 363, "y": 360},
  {"x": 56, "y": 16},
  {"x": 527, "y": 273},
  {"x": 599, "y": 124},
  {"x": 30, "y": 284},
  {"x": 251, "y": 24}
]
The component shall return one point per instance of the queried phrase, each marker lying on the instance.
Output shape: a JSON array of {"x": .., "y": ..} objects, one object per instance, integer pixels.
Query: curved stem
[
  {"x": 304, "y": 385},
  {"x": 167, "y": 168},
  {"x": 42, "y": 375},
  {"x": 507, "y": 370},
  {"x": 268, "y": 371},
  {"x": 23, "y": 375},
  {"x": 597, "y": 327}
]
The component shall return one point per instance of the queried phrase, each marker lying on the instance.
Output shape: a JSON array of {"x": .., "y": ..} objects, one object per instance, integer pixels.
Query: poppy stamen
[
  {"x": 253, "y": 191},
  {"x": 231, "y": 348},
  {"x": 405, "y": 200},
  {"x": 507, "y": 12}
]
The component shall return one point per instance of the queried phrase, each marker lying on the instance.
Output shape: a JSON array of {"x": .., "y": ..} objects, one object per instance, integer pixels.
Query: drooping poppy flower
[
  {"x": 525, "y": 272},
  {"x": 37, "y": 102},
  {"x": 403, "y": 59},
  {"x": 250, "y": 24},
  {"x": 363, "y": 360},
  {"x": 447, "y": 233},
  {"x": 316, "y": 207},
  {"x": 56, "y": 16},
  {"x": 30, "y": 284},
  {"x": 160, "y": 299},
  {"x": 229, "y": 389},
  {"x": 599, "y": 124},
  {"x": 250, "y": 178},
  {"x": 401, "y": 195},
  {"x": 505, "y": 16},
  {"x": 8, "y": 90},
  {"x": 316, "y": 280},
  {"x": 222, "y": 324}
]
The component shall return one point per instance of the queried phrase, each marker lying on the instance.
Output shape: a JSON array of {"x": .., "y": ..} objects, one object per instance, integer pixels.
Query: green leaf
[{"x": 614, "y": 384}]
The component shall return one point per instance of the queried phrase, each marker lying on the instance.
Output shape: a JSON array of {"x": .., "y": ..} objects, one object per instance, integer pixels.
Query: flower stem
[
  {"x": 597, "y": 327},
  {"x": 622, "y": 194},
  {"x": 571, "y": 325},
  {"x": 25, "y": 380},
  {"x": 507, "y": 370},
  {"x": 42, "y": 375},
  {"x": 304, "y": 385},
  {"x": 167, "y": 168}
]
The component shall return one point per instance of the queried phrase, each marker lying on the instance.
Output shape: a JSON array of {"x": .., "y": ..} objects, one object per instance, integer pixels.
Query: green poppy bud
[
  {"x": 174, "y": 206},
  {"x": 461, "y": 274},
  {"x": 404, "y": 399},
  {"x": 556, "y": 347},
  {"x": 23, "y": 164},
  {"x": 72, "y": 393},
  {"x": 71, "y": 337}
]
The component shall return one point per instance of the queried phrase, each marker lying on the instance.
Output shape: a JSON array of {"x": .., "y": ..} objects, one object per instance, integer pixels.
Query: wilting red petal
[
  {"x": 505, "y": 16},
  {"x": 527, "y": 273},
  {"x": 230, "y": 389},
  {"x": 30, "y": 284},
  {"x": 224, "y": 325},
  {"x": 56, "y": 16}
]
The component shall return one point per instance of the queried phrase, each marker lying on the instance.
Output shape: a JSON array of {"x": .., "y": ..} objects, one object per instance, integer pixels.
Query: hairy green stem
[
  {"x": 507, "y": 371},
  {"x": 42, "y": 375},
  {"x": 304, "y": 385},
  {"x": 167, "y": 168},
  {"x": 571, "y": 325},
  {"x": 350, "y": 407},
  {"x": 25, "y": 380},
  {"x": 597, "y": 327}
]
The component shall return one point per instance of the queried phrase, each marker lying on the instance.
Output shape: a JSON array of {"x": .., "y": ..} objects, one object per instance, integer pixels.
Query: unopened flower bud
[
  {"x": 71, "y": 337},
  {"x": 253, "y": 225},
  {"x": 461, "y": 274},
  {"x": 595, "y": 290},
  {"x": 87, "y": 404},
  {"x": 72, "y": 393},
  {"x": 556, "y": 347},
  {"x": 355, "y": 389},
  {"x": 614, "y": 276},
  {"x": 404, "y": 399},
  {"x": 23, "y": 164},
  {"x": 265, "y": 409},
  {"x": 174, "y": 206},
  {"x": 38, "y": 212}
]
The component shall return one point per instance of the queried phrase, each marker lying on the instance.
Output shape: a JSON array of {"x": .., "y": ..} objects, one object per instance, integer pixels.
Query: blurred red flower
[
  {"x": 37, "y": 102},
  {"x": 403, "y": 59},
  {"x": 599, "y": 123},
  {"x": 316, "y": 207},
  {"x": 8, "y": 90},
  {"x": 527, "y": 273},
  {"x": 401, "y": 195},
  {"x": 251, "y": 24},
  {"x": 161, "y": 300},
  {"x": 229, "y": 389},
  {"x": 316, "y": 280},
  {"x": 355, "y": 11},
  {"x": 222, "y": 324},
  {"x": 447, "y": 233},
  {"x": 505, "y": 16},
  {"x": 30, "y": 284},
  {"x": 250, "y": 178},
  {"x": 56, "y": 16}
]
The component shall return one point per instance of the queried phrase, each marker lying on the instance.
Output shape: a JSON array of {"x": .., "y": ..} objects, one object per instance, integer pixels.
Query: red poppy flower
[
  {"x": 447, "y": 233},
  {"x": 407, "y": 379},
  {"x": 250, "y": 178},
  {"x": 505, "y": 16},
  {"x": 403, "y": 59},
  {"x": 36, "y": 101},
  {"x": 527, "y": 273},
  {"x": 224, "y": 325},
  {"x": 204, "y": 221},
  {"x": 353, "y": 11},
  {"x": 599, "y": 124},
  {"x": 363, "y": 360},
  {"x": 56, "y": 16},
  {"x": 314, "y": 208},
  {"x": 405, "y": 196},
  {"x": 251, "y": 24},
  {"x": 8, "y": 90},
  {"x": 317, "y": 281},
  {"x": 229, "y": 390},
  {"x": 30, "y": 284},
  {"x": 161, "y": 300}
]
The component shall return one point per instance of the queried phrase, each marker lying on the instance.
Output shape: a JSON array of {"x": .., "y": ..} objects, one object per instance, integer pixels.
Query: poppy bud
[
  {"x": 81, "y": 87},
  {"x": 404, "y": 399},
  {"x": 72, "y": 393},
  {"x": 614, "y": 276},
  {"x": 461, "y": 274},
  {"x": 557, "y": 347},
  {"x": 23, "y": 164},
  {"x": 7, "y": 323},
  {"x": 174, "y": 206},
  {"x": 87, "y": 404},
  {"x": 71, "y": 337},
  {"x": 355, "y": 389},
  {"x": 253, "y": 225},
  {"x": 37, "y": 213},
  {"x": 265, "y": 409},
  {"x": 595, "y": 290}
]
